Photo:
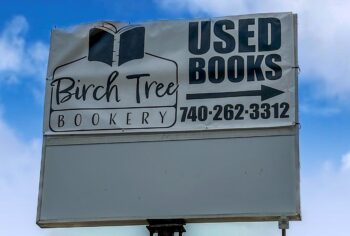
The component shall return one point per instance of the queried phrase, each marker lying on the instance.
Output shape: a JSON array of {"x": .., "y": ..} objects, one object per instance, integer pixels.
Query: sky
[{"x": 324, "y": 100}]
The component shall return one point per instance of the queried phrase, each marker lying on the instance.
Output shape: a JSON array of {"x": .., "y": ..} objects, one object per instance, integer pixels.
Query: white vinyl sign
[{"x": 223, "y": 73}]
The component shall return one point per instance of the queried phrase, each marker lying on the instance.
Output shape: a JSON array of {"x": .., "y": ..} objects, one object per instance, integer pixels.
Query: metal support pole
[
  {"x": 283, "y": 224},
  {"x": 166, "y": 227}
]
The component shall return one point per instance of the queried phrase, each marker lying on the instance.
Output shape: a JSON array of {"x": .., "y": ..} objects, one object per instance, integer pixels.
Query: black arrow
[{"x": 265, "y": 92}]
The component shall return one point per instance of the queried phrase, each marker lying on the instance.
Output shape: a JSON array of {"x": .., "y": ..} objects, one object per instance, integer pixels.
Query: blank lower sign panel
[{"x": 170, "y": 179}]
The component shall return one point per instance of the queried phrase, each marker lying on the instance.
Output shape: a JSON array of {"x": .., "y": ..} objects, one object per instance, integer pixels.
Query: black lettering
[
  {"x": 274, "y": 34},
  {"x": 95, "y": 119},
  {"x": 244, "y": 34},
  {"x": 196, "y": 71},
  {"x": 270, "y": 62},
  {"x": 128, "y": 118},
  {"x": 158, "y": 88},
  {"x": 78, "y": 119},
  {"x": 170, "y": 85},
  {"x": 137, "y": 77},
  {"x": 195, "y": 45},
  {"x": 94, "y": 94},
  {"x": 60, "y": 122},
  {"x": 254, "y": 68},
  {"x": 148, "y": 88},
  {"x": 162, "y": 116},
  {"x": 109, "y": 88},
  {"x": 145, "y": 115},
  {"x": 67, "y": 87},
  {"x": 111, "y": 119},
  {"x": 84, "y": 91},
  {"x": 224, "y": 36},
  {"x": 216, "y": 69},
  {"x": 66, "y": 90},
  {"x": 235, "y": 69}
]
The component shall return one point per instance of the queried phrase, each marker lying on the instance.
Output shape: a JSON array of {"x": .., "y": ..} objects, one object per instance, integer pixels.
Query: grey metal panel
[{"x": 127, "y": 183}]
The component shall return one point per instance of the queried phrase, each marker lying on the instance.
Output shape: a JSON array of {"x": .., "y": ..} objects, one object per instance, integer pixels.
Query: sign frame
[{"x": 72, "y": 139}]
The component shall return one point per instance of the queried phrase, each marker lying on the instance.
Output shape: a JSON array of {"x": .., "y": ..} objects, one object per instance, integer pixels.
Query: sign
[
  {"x": 226, "y": 73},
  {"x": 194, "y": 119}
]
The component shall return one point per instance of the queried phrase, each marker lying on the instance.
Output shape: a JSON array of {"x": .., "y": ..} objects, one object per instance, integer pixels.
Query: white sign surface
[
  {"x": 191, "y": 119},
  {"x": 223, "y": 73}
]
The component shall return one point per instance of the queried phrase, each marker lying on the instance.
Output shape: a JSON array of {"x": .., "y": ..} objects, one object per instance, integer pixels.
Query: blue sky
[{"x": 324, "y": 30}]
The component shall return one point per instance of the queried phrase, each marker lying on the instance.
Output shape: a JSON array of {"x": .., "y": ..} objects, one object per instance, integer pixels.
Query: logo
[{"x": 117, "y": 85}]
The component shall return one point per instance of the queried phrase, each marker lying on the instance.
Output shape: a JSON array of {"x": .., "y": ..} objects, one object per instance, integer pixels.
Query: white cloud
[
  {"x": 325, "y": 201},
  {"x": 324, "y": 30},
  {"x": 12, "y": 44},
  {"x": 346, "y": 162},
  {"x": 18, "y": 56},
  {"x": 19, "y": 181}
]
